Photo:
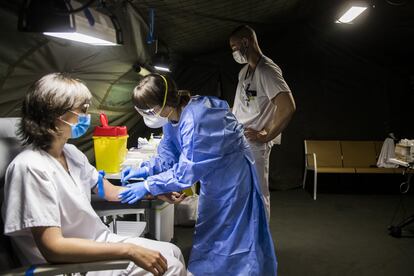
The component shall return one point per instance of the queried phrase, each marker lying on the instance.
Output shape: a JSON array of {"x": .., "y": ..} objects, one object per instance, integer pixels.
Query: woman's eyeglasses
[{"x": 147, "y": 112}]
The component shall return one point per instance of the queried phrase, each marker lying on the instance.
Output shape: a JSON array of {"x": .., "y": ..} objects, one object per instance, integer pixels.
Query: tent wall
[{"x": 106, "y": 71}]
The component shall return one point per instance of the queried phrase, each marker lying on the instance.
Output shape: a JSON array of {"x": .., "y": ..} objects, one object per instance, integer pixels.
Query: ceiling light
[
  {"x": 351, "y": 14},
  {"x": 70, "y": 20},
  {"x": 81, "y": 38},
  {"x": 162, "y": 68},
  {"x": 161, "y": 62}
]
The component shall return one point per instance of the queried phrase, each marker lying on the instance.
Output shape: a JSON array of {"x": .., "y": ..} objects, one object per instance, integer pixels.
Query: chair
[
  {"x": 109, "y": 212},
  {"x": 350, "y": 157},
  {"x": 9, "y": 264},
  {"x": 322, "y": 157}
]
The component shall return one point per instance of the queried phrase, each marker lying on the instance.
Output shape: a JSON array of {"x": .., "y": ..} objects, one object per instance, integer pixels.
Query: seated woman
[{"x": 47, "y": 210}]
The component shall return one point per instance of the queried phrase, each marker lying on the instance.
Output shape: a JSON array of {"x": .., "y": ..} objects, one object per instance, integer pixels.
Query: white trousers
[
  {"x": 261, "y": 154},
  {"x": 171, "y": 252}
]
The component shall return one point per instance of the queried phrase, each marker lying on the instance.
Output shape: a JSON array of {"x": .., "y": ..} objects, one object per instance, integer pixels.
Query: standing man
[{"x": 263, "y": 101}]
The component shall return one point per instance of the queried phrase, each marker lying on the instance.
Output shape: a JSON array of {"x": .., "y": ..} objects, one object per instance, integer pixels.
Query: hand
[
  {"x": 256, "y": 136},
  {"x": 128, "y": 173},
  {"x": 149, "y": 260},
  {"x": 133, "y": 193},
  {"x": 173, "y": 198}
]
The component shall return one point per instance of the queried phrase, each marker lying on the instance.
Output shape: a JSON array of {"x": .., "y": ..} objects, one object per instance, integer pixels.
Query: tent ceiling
[
  {"x": 197, "y": 26},
  {"x": 190, "y": 28},
  {"x": 194, "y": 27}
]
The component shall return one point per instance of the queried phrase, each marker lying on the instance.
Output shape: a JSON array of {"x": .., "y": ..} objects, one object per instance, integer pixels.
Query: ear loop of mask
[
  {"x": 165, "y": 94},
  {"x": 66, "y": 122},
  {"x": 245, "y": 50}
]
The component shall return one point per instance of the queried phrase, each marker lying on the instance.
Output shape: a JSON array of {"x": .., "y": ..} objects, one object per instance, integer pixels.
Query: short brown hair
[
  {"x": 243, "y": 31},
  {"x": 46, "y": 100}
]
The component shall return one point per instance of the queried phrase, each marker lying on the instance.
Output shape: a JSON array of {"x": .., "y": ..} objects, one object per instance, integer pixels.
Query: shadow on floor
[{"x": 344, "y": 232}]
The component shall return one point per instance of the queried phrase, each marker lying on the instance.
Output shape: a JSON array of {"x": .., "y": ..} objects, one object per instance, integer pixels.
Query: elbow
[
  {"x": 51, "y": 256},
  {"x": 52, "y": 252},
  {"x": 288, "y": 112},
  {"x": 291, "y": 111},
  {"x": 51, "y": 259},
  {"x": 292, "y": 108}
]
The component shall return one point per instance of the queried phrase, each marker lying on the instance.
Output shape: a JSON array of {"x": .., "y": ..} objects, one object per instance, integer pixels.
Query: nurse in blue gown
[{"x": 204, "y": 142}]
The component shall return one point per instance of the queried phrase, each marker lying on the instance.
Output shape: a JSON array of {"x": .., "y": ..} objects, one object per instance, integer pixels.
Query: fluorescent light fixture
[
  {"x": 351, "y": 14},
  {"x": 162, "y": 68},
  {"x": 56, "y": 18},
  {"x": 81, "y": 38},
  {"x": 161, "y": 62}
]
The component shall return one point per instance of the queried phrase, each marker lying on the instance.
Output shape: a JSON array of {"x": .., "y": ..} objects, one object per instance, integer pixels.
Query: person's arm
[
  {"x": 57, "y": 249},
  {"x": 111, "y": 191},
  {"x": 286, "y": 107},
  {"x": 198, "y": 155},
  {"x": 167, "y": 155}
]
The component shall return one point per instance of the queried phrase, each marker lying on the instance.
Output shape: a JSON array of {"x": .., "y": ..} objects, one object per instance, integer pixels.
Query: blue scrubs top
[{"x": 231, "y": 235}]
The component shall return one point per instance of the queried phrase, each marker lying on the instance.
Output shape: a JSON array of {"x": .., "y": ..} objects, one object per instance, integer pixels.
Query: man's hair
[
  {"x": 46, "y": 100},
  {"x": 243, "y": 31}
]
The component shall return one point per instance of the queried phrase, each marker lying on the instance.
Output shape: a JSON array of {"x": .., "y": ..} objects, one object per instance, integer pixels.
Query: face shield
[{"x": 152, "y": 119}]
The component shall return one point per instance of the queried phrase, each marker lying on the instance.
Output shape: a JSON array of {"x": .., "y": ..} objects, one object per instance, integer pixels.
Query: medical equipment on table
[{"x": 404, "y": 150}]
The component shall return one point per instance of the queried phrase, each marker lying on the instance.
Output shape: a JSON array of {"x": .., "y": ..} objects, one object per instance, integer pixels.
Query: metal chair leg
[
  {"x": 315, "y": 177},
  {"x": 315, "y": 184},
  {"x": 304, "y": 178}
]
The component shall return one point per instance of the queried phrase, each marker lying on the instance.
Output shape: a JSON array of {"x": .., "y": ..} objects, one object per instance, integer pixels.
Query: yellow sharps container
[{"x": 110, "y": 145}]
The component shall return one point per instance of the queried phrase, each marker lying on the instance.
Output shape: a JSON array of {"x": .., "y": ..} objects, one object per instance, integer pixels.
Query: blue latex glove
[
  {"x": 101, "y": 190},
  {"x": 128, "y": 173},
  {"x": 133, "y": 193}
]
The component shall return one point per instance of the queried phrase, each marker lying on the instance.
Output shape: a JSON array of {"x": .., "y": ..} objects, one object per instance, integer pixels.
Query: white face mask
[
  {"x": 239, "y": 58},
  {"x": 155, "y": 121}
]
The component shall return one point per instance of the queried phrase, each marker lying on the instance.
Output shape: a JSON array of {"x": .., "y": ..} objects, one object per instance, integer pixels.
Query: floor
[{"x": 343, "y": 232}]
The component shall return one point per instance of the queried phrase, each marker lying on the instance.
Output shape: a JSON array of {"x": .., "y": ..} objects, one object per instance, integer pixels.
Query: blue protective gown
[{"x": 231, "y": 234}]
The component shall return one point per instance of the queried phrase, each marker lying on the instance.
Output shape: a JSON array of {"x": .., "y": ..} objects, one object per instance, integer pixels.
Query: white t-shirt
[
  {"x": 252, "y": 104},
  {"x": 39, "y": 192}
]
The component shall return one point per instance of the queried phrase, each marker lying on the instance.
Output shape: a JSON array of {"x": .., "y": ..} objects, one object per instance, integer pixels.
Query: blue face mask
[{"x": 80, "y": 128}]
